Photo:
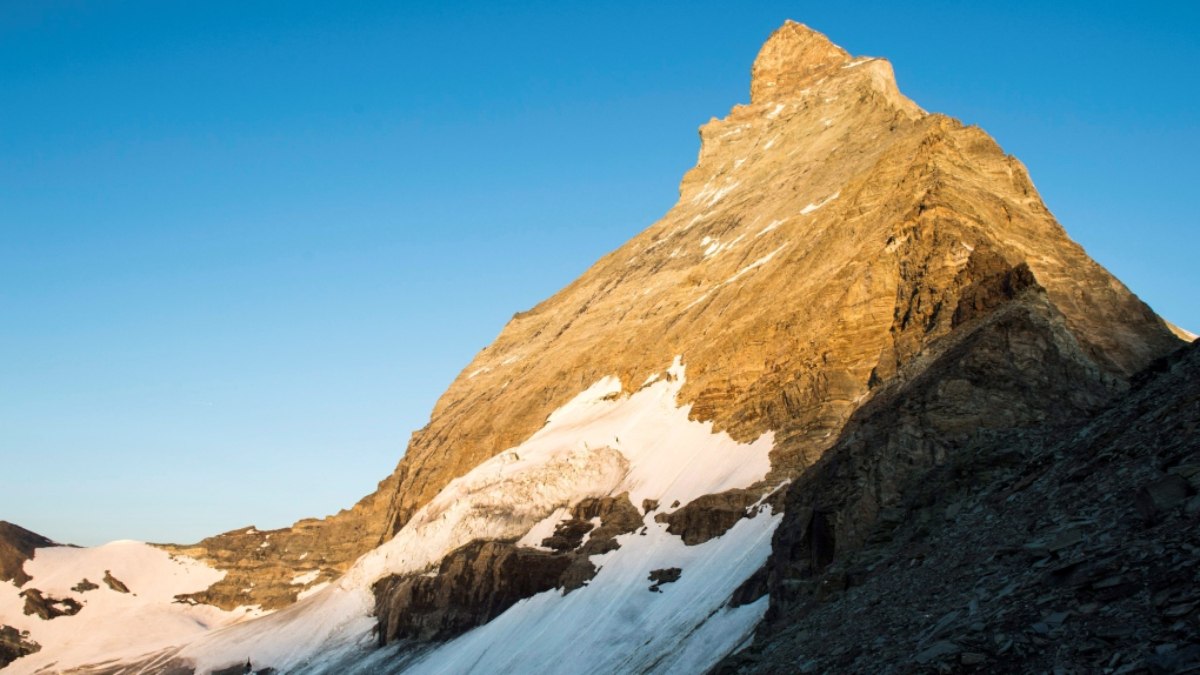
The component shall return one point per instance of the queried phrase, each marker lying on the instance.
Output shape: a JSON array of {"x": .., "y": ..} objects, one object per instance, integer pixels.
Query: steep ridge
[
  {"x": 850, "y": 294},
  {"x": 823, "y": 240}
]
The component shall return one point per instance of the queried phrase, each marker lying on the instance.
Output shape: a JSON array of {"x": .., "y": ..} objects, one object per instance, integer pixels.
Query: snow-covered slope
[
  {"x": 601, "y": 443},
  {"x": 111, "y": 625},
  {"x": 615, "y": 624}
]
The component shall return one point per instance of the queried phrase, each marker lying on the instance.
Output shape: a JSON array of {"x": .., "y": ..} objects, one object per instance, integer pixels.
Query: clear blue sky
[{"x": 245, "y": 245}]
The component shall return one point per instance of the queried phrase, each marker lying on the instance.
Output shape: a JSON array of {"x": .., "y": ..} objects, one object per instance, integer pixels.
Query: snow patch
[
  {"x": 714, "y": 246},
  {"x": 545, "y": 528},
  {"x": 595, "y": 522},
  {"x": 755, "y": 265},
  {"x": 770, "y": 226},
  {"x": 306, "y": 578},
  {"x": 312, "y": 590},
  {"x": 709, "y": 195},
  {"x": 113, "y": 625},
  {"x": 813, "y": 207}
]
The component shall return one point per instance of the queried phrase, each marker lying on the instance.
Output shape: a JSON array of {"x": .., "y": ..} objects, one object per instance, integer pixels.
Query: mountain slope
[
  {"x": 1071, "y": 546},
  {"x": 822, "y": 241},
  {"x": 849, "y": 293}
]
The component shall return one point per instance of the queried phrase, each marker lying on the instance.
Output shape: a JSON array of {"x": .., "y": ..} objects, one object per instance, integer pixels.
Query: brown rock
[
  {"x": 792, "y": 58},
  {"x": 84, "y": 586},
  {"x": 708, "y": 516},
  {"x": 46, "y": 607},
  {"x": 14, "y": 644},
  {"x": 114, "y": 583},
  {"x": 473, "y": 585},
  {"x": 16, "y": 546}
]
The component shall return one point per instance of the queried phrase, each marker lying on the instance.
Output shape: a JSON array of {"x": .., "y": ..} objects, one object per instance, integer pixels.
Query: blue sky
[{"x": 245, "y": 245}]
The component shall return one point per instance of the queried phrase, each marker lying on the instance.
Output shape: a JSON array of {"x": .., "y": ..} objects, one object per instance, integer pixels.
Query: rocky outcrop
[
  {"x": 1072, "y": 544},
  {"x": 114, "y": 583},
  {"x": 792, "y": 60},
  {"x": 14, "y": 644},
  {"x": 47, "y": 607},
  {"x": 17, "y": 545},
  {"x": 667, "y": 575},
  {"x": 477, "y": 582},
  {"x": 710, "y": 515},
  {"x": 262, "y": 566},
  {"x": 472, "y": 586},
  {"x": 84, "y": 586}
]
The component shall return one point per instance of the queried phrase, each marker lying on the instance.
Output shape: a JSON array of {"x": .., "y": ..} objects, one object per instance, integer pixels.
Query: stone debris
[{"x": 1045, "y": 568}]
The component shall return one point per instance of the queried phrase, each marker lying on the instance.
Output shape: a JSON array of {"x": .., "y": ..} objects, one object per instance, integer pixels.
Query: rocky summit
[{"x": 856, "y": 403}]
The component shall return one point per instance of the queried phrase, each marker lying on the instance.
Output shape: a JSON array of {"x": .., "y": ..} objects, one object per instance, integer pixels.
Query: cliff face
[{"x": 830, "y": 232}]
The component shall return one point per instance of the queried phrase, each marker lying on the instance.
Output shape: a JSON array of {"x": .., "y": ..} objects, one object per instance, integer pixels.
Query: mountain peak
[{"x": 790, "y": 59}]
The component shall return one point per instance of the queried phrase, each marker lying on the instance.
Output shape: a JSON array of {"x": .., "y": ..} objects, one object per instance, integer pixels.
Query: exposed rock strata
[{"x": 262, "y": 566}]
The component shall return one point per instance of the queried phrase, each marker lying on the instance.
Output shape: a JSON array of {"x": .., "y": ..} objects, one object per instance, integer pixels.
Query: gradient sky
[{"x": 245, "y": 245}]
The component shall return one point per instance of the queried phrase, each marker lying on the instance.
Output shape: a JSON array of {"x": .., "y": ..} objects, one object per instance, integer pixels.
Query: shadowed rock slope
[
  {"x": 1069, "y": 543},
  {"x": 832, "y": 239}
]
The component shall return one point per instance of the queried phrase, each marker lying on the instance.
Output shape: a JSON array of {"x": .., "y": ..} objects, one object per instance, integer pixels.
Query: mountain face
[
  {"x": 853, "y": 302},
  {"x": 823, "y": 241}
]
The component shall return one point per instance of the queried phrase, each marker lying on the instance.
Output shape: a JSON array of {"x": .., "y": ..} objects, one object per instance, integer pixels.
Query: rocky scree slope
[
  {"x": 1070, "y": 545},
  {"x": 830, "y": 234}
]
